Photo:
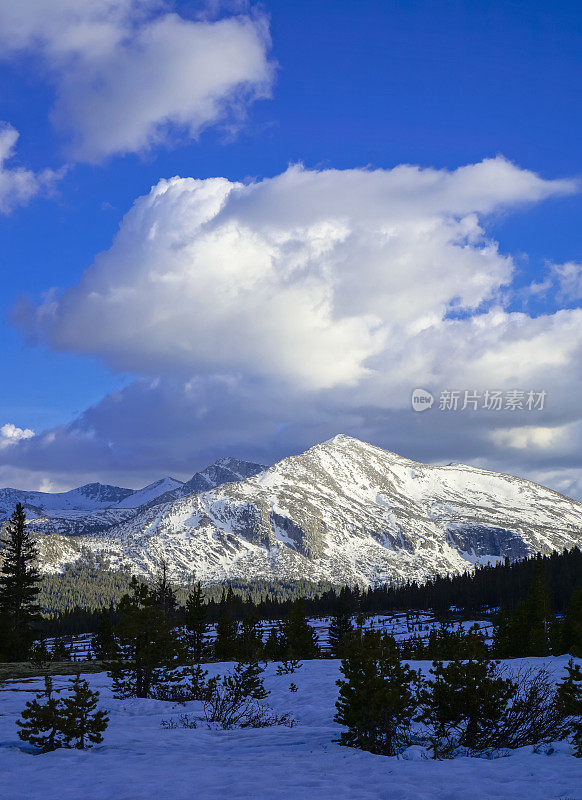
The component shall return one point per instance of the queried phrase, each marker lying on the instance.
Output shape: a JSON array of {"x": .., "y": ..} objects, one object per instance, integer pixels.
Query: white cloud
[
  {"x": 130, "y": 72},
  {"x": 316, "y": 279},
  {"x": 10, "y": 434},
  {"x": 17, "y": 184},
  {"x": 266, "y": 317},
  {"x": 568, "y": 276}
]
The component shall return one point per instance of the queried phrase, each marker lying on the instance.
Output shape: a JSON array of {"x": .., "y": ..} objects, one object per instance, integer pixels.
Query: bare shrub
[
  {"x": 288, "y": 667},
  {"x": 533, "y": 716},
  {"x": 229, "y": 710},
  {"x": 183, "y": 721}
]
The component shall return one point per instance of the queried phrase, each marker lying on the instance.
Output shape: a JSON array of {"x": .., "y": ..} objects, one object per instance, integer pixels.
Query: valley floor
[{"x": 140, "y": 760}]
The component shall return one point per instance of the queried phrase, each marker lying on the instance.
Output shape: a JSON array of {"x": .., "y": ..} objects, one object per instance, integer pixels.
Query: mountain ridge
[{"x": 344, "y": 510}]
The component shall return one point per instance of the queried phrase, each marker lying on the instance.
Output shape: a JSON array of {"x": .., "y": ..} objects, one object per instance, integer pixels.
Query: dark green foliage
[
  {"x": 149, "y": 648},
  {"x": 376, "y": 696},
  {"x": 104, "y": 642},
  {"x": 40, "y": 721},
  {"x": 81, "y": 724},
  {"x": 162, "y": 594},
  {"x": 249, "y": 642},
  {"x": 526, "y": 630},
  {"x": 288, "y": 667},
  {"x": 195, "y": 622},
  {"x": 19, "y": 587},
  {"x": 298, "y": 638},
  {"x": 274, "y": 646},
  {"x": 225, "y": 642},
  {"x": 570, "y": 703},
  {"x": 39, "y": 654},
  {"x": 568, "y": 632},
  {"x": 444, "y": 643},
  {"x": 72, "y": 722},
  {"x": 245, "y": 681},
  {"x": 340, "y": 628},
  {"x": 461, "y": 702},
  {"x": 88, "y": 584},
  {"x": 60, "y": 652},
  {"x": 199, "y": 685}
]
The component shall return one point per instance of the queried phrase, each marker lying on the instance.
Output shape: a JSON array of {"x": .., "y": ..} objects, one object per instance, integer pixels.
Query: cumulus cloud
[
  {"x": 128, "y": 73},
  {"x": 316, "y": 279},
  {"x": 10, "y": 434},
  {"x": 17, "y": 184},
  {"x": 265, "y": 317}
]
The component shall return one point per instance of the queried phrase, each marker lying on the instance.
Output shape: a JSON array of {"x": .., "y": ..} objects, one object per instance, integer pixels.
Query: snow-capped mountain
[
  {"x": 345, "y": 511},
  {"x": 96, "y": 507},
  {"x": 91, "y": 497}
]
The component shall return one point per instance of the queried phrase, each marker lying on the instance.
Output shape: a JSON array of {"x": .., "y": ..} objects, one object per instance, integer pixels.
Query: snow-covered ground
[
  {"x": 140, "y": 760},
  {"x": 401, "y": 625}
]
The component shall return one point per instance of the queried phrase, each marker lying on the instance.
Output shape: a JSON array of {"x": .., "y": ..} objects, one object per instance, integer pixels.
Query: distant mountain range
[{"x": 343, "y": 511}]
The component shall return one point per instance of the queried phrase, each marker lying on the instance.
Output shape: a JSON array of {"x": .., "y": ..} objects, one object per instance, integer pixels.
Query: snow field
[{"x": 140, "y": 760}]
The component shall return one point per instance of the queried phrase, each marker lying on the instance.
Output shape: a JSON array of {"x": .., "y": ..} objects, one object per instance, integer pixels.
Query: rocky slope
[{"x": 344, "y": 511}]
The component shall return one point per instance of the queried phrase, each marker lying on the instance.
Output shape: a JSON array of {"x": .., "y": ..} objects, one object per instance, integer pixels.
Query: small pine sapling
[
  {"x": 81, "y": 724},
  {"x": 570, "y": 702},
  {"x": 40, "y": 721}
]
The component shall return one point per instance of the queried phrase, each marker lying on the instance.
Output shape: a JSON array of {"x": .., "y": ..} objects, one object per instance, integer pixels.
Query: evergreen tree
[
  {"x": 225, "y": 642},
  {"x": 195, "y": 622},
  {"x": 249, "y": 642},
  {"x": 149, "y": 648},
  {"x": 104, "y": 642},
  {"x": 298, "y": 638},
  {"x": 19, "y": 586},
  {"x": 162, "y": 593},
  {"x": 199, "y": 687},
  {"x": 571, "y": 629},
  {"x": 340, "y": 627},
  {"x": 81, "y": 724},
  {"x": 526, "y": 630},
  {"x": 60, "y": 651},
  {"x": 461, "y": 702},
  {"x": 274, "y": 646},
  {"x": 40, "y": 721},
  {"x": 570, "y": 701},
  {"x": 245, "y": 681},
  {"x": 376, "y": 700},
  {"x": 39, "y": 654}
]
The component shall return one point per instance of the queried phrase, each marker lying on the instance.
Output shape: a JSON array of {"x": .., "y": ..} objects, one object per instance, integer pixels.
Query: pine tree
[
  {"x": 461, "y": 702},
  {"x": 199, "y": 686},
  {"x": 149, "y": 648},
  {"x": 249, "y": 642},
  {"x": 162, "y": 592},
  {"x": 104, "y": 642},
  {"x": 225, "y": 642},
  {"x": 340, "y": 627},
  {"x": 274, "y": 646},
  {"x": 526, "y": 630},
  {"x": 376, "y": 700},
  {"x": 569, "y": 695},
  {"x": 81, "y": 724},
  {"x": 40, "y": 722},
  {"x": 572, "y": 626},
  {"x": 299, "y": 639},
  {"x": 195, "y": 621},
  {"x": 19, "y": 586},
  {"x": 245, "y": 681},
  {"x": 60, "y": 651}
]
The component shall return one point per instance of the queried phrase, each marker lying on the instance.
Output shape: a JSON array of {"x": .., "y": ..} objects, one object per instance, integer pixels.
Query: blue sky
[{"x": 346, "y": 85}]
